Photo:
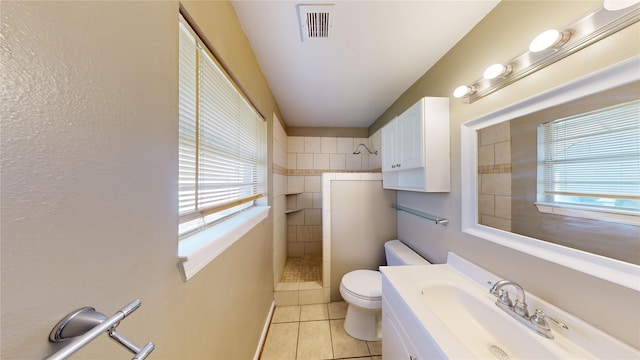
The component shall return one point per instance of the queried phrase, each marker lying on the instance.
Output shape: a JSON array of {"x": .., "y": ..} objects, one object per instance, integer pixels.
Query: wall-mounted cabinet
[{"x": 415, "y": 148}]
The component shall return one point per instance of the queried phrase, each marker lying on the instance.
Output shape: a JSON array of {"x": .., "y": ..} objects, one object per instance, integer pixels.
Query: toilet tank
[{"x": 398, "y": 253}]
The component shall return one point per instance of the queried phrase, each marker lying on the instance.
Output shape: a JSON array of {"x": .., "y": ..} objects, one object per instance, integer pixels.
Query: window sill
[
  {"x": 198, "y": 250},
  {"x": 629, "y": 218}
]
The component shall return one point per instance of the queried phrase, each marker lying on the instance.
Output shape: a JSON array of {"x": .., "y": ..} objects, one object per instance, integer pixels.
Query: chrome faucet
[
  {"x": 520, "y": 307},
  {"x": 518, "y": 310}
]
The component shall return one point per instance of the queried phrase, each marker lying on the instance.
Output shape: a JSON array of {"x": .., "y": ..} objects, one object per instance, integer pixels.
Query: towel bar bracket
[{"x": 85, "y": 324}]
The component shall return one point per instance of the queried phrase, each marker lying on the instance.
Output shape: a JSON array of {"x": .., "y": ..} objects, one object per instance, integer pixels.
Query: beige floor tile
[
  {"x": 314, "y": 340},
  {"x": 284, "y": 314},
  {"x": 375, "y": 347},
  {"x": 287, "y": 286},
  {"x": 337, "y": 310},
  {"x": 376, "y": 358},
  {"x": 281, "y": 342},
  {"x": 309, "y": 285},
  {"x": 314, "y": 312},
  {"x": 345, "y": 346},
  {"x": 286, "y": 298},
  {"x": 307, "y": 297}
]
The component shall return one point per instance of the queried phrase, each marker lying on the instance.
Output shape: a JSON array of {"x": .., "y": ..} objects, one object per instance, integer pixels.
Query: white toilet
[{"x": 362, "y": 290}]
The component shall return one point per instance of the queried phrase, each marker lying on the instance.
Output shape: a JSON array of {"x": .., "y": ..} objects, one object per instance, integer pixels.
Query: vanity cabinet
[
  {"x": 403, "y": 337},
  {"x": 415, "y": 148},
  {"x": 397, "y": 344}
]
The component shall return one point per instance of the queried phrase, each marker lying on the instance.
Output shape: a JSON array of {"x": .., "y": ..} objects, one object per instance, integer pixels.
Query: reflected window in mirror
[
  {"x": 509, "y": 176},
  {"x": 589, "y": 164}
]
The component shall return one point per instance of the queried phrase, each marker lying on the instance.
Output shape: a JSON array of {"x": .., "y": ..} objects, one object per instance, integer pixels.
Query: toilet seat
[
  {"x": 362, "y": 288},
  {"x": 364, "y": 284}
]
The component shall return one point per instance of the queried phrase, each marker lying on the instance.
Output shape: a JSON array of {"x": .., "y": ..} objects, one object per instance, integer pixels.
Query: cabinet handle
[
  {"x": 393, "y": 166},
  {"x": 411, "y": 357},
  {"x": 398, "y": 165}
]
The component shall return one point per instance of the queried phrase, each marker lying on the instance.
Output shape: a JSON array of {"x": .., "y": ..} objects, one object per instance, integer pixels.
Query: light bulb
[
  {"x": 615, "y": 5},
  {"x": 547, "y": 39},
  {"x": 462, "y": 91},
  {"x": 496, "y": 70}
]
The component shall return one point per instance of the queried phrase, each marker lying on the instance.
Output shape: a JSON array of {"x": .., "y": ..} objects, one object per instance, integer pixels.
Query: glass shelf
[{"x": 438, "y": 220}]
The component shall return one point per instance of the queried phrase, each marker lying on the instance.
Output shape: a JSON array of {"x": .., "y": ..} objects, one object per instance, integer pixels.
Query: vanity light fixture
[
  {"x": 496, "y": 70},
  {"x": 611, "y": 17},
  {"x": 548, "y": 40}
]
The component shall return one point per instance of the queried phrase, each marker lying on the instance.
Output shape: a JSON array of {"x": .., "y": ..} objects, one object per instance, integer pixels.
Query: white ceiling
[{"x": 376, "y": 50}]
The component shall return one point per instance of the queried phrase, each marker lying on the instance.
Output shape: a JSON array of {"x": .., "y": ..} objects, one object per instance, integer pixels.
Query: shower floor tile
[{"x": 302, "y": 269}]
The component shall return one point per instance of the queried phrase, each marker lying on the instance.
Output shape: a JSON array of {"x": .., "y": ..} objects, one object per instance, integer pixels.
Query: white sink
[{"x": 449, "y": 312}]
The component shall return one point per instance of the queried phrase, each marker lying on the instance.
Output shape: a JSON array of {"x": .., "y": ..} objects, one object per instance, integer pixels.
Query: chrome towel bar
[
  {"x": 438, "y": 220},
  {"x": 85, "y": 324}
]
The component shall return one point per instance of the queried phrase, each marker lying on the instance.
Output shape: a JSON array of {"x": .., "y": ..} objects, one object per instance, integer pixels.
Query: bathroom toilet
[{"x": 362, "y": 291}]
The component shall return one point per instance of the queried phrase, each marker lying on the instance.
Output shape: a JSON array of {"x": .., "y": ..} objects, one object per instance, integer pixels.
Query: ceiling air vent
[{"x": 315, "y": 21}]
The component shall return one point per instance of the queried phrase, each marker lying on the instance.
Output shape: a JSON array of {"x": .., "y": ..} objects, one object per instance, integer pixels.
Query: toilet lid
[{"x": 367, "y": 283}]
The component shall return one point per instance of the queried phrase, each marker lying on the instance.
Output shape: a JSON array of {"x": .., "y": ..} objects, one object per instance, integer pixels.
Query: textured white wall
[{"x": 89, "y": 177}]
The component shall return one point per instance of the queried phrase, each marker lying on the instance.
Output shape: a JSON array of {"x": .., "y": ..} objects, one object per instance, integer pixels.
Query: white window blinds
[
  {"x": 222, "y": 140},
  {"x": 593, "y": 159}
]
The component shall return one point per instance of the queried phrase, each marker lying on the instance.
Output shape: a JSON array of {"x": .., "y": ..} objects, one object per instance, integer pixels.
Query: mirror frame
[{"x": 615, "y": 271}]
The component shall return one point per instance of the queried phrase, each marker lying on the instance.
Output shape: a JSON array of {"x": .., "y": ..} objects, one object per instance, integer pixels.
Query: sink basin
[
  {"x": 448, "y": 312},
  {"x": 478, "y": 325}
]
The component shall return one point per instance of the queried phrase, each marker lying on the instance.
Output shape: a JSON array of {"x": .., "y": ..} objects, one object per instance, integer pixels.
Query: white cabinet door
[
  {"x": 389, "y": 146},
  {"x": 410, "y": 138},
  {"x": 397, "y": 345}
]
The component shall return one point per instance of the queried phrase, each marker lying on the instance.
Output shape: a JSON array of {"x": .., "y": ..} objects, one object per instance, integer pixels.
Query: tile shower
[{"x": 298, "y": 165}]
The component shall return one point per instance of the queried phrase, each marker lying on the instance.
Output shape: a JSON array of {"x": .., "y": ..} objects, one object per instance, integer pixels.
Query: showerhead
[{"x": 357, "y": 152}]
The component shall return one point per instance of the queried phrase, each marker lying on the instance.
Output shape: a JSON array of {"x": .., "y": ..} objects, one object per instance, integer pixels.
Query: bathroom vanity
[{"x": 447, "y": 312}]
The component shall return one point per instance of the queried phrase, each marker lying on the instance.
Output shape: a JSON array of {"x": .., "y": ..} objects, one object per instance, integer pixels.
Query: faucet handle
[
  {"x": 539, "y": 320},
  {"x": 504, "y": 298},
  {"x": 520, "y": 308}
]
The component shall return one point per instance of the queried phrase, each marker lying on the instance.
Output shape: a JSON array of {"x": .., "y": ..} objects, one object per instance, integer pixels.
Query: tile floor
[{"x": 313, "y": 332}]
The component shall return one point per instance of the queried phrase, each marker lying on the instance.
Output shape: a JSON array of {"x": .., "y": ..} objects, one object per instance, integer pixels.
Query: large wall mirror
[{"x": 500, "y": 179}]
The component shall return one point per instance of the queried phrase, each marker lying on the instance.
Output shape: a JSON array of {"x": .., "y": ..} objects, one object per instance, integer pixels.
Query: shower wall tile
[
  {"x": 296, "y": 218},
  {"x": 312, "y": 184},
  {"x": 313, "y": 216},
  {"x": 292, "y": 162},
  {"x": 304, "y": 161},
  {"x": 305, "y": 200},
  {"x": 296, "y": 144},
  {"x": 292, "y": 233},
  {"x": 320, "y": 161},
  {"x": 328, "y": 145},
  {"x": 337, "y": 162},
  {"x": 312, "y": 145},
  {"x": 295, "y": 184},
  {"x": 345, "y": 146},
  {"x": 354, "y": 162},
  {"x": 317, "y": 200}
]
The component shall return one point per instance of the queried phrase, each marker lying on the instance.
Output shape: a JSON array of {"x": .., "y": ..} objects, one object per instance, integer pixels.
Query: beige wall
[
  {"x": 89, "y": 164},
  {"x": 503, "y": 34}
]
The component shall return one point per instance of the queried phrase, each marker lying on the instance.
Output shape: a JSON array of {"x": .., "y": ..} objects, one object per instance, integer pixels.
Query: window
[
  {"x": 591, "y": 161},
  {"x": 222, "y": 141}
]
